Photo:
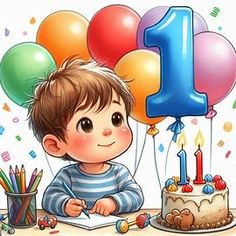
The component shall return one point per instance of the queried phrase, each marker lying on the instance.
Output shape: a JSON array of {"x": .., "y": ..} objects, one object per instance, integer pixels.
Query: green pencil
[
  {"x": 6, "y": 180},
  {"x": 36, "y": 181}
]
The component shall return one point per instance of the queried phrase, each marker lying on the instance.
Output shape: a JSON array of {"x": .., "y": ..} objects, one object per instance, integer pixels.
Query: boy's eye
[
  {"x": 117, "y": 119},
  {"x": 85, "y": 125}
]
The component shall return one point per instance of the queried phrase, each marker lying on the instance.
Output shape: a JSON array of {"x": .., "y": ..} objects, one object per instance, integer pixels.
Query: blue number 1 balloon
[{"x": 177, "y": 96}]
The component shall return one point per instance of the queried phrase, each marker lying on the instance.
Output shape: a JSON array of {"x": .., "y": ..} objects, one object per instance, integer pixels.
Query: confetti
[
  {"x": 18, "y": 137},
  {"x": 215, "y": 11},
  {"x": 32, "y": 154},
  {"x": 5, "y": 156},
  {"x": 234, "y": 105},
  {"x": 54, "y": 232},
  {"x": 227, "y": 126},
  {"x": 15, "y": 119},
  {"x": 25, "y": 33},
  {"x": 194, "y": 121},
  {"x": 227, "y": 154},
  {"x": 6, "y": 107},
  {"x": 219, "y": 28},
  {"x": 32, "y": 21},
  {"x": 221, "y": 143},
  {"x": 7, "y": 32},
  {"x": 1, "y": 130},
  {"x": 161, "y": 148}
]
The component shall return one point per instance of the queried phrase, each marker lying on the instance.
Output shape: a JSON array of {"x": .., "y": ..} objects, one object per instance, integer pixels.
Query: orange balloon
[
  {"x": 64, "y": 35},
  {"x": 142, "y": 69}
]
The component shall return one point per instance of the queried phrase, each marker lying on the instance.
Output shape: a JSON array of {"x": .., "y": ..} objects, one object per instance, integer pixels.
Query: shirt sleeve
[
  {"x": 129, "y": 198},
  {"x": 55, "y": 197}
]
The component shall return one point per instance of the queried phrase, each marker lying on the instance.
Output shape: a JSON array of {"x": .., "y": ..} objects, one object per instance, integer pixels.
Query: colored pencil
[
  {"x": 23, "y": 179},
  {"x": 69, "y": 191},
  {"x": 4, "y": 185},
  {"x": 36, "y": 181},
  {"x": 6, "y": 181},
  {"x": 27, "y": 200},
  {"x": 13, "y": 180},
  {"x": 33, "y": 176},
  {"x": 17, "y": 174}
]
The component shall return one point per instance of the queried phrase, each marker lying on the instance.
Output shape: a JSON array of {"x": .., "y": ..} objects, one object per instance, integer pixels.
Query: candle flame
[
  {"x": 199, "y": 140},
  {"x": 182, "y": 140}
]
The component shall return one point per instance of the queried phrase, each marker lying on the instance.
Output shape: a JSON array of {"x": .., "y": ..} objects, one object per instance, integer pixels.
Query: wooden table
[{"x": 67, "y": 230}]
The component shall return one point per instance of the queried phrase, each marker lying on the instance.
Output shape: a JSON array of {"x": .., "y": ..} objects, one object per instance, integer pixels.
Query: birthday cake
[{"x": 195, "y": 206}]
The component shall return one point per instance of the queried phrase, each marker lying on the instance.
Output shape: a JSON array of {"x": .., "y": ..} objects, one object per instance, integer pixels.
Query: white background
[{"x": 15, "y": 15}]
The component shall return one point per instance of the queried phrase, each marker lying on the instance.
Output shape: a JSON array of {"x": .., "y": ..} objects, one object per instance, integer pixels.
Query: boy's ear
[{"x": 53, "y": 146}]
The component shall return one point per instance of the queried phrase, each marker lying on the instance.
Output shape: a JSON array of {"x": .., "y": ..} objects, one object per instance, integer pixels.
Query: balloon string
[
  {"x": 136, "y": 147},
  {"x": 141, "y": 154},
  {"x": 211, "y": 141},
  {"x": 155, "y": 161},
  {"x": 167, "y": 155},
  {"x": 50, "y": 168}
]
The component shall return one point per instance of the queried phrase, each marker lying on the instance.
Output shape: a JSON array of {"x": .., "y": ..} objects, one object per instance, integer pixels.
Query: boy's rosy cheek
[
  {"x": 124, "y": 134},
  {"x": 81, "y": 142}
]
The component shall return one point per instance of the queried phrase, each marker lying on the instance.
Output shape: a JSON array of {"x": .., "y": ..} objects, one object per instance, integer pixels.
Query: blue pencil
[
  {"x": 13, "y": 180},
  {"x": 69, "y": 191}
]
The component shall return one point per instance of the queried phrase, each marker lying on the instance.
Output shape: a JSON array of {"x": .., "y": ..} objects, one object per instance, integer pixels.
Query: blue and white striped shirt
[{"x": 116, "y": 182}]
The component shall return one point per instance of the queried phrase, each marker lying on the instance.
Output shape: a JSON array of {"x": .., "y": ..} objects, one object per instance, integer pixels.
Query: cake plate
[{"x": 156, "y": 225}]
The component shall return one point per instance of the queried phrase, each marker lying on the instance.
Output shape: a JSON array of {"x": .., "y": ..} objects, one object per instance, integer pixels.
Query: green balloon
[{"x": 21, "y": 69}]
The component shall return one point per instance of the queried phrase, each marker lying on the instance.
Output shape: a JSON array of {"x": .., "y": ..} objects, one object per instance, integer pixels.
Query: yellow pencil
[
  {"x": 4, "y": 185},
  {"x": 23, "y": 179}
]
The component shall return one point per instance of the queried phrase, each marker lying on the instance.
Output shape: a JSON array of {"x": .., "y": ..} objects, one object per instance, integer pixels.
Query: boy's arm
[
  {"x": 55, "y": 197},
  {"x": 130, "y": 197}
]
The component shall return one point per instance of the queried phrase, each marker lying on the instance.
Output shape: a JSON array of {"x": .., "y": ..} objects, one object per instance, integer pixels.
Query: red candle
[{"x": 199, "y": 167}]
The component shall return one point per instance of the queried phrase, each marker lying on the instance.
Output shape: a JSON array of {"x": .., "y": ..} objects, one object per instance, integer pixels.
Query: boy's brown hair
[{"x": 77, "y": 85}]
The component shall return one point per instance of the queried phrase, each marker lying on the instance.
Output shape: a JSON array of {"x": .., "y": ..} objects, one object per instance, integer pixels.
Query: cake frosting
[{"x": 195, "y": 206}]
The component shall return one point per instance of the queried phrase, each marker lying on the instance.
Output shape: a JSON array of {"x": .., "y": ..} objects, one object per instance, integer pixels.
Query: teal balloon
[{"x": 22, "y": 67}]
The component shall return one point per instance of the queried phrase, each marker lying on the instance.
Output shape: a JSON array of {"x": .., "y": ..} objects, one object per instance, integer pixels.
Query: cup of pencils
[{"x": 21, "y": 199}]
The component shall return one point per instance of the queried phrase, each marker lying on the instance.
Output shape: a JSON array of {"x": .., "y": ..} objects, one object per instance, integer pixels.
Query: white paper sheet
[{"x": 95, "y": 221}]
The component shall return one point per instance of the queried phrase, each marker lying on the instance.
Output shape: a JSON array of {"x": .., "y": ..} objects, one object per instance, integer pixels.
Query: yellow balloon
[{"x": 142, "y": 68}]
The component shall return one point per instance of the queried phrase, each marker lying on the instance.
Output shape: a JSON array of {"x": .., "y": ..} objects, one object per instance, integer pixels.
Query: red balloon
[{"x": 112, "y": 34}]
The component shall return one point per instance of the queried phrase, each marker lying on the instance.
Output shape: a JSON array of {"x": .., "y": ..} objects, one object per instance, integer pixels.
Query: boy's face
[{"x": 94, "y": 137}]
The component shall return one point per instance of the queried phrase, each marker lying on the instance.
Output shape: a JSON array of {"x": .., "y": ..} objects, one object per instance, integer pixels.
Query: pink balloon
[{"x": 214, "y": 66}]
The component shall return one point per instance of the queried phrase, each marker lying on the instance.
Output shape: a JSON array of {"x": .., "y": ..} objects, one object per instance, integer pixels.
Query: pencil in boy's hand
[
  {"x": 69, "y": 191},
  {"x": 17, "y": 174},
  {"x": 33, "y": 176},
  {"x": 36, "y": 181},
  {"x": 6, "y": 181},
  {"x": 23, "y": 179},
  {"x": 13, "y": 179}
]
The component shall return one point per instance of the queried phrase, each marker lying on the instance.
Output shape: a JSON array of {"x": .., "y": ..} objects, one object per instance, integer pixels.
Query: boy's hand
[
  {"x": 104, "y": 206},
  {"x": 74, "y": 207}
]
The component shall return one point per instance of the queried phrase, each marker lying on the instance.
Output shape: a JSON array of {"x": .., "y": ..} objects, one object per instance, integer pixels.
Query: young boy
[{"x": 80, "y": 113}]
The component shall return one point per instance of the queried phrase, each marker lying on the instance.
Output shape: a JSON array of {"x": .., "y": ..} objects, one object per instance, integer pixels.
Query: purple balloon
[
  {"x": 150, "y": 18},
  {"x": 214, "y": 66},
  {"x": 154, "y": 15},
  {"x": 199, "y": 24}
]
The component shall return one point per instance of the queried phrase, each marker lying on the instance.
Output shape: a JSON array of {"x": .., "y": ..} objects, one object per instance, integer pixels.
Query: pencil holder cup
[{"x": 22, "y": 209}]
